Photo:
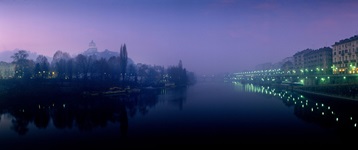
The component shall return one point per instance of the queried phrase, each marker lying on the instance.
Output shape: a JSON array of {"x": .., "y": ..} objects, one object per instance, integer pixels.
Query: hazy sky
[{"x": 209, "y": 36}]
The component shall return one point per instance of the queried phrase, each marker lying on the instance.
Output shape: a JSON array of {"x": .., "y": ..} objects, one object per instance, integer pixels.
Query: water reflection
[
  {"x": 327, "y": 112},
  {"x": 86, "y": 113},
  {"x": 176, "y": 97}
]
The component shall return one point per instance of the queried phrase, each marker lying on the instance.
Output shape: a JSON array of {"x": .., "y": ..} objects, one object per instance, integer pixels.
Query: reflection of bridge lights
[{"x": 288, "y": 96}]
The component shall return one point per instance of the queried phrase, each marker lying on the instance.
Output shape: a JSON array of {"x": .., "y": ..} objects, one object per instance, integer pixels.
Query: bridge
[{"x": 277, "y": 76}]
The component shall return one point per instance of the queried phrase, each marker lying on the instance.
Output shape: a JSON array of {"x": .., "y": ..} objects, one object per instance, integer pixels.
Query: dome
[{"x": 92, "y": 44}]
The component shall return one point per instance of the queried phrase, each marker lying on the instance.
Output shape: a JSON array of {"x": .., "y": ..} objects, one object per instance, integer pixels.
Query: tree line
[{"x": 115, "y": 70}]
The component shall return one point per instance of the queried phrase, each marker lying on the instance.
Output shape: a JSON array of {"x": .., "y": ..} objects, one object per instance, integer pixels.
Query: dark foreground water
[{"x": 206, "y": 113}]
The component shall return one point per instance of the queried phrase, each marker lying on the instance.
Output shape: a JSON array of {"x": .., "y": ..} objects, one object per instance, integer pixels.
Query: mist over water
[
  {"x": 205, "y": 113},
  {"x": 126, "y": 74}
]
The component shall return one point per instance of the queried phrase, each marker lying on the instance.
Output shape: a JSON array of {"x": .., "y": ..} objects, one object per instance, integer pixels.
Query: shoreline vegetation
[
  {"x": 14, "y": 91},
  {"x": 84, "y": 75}
]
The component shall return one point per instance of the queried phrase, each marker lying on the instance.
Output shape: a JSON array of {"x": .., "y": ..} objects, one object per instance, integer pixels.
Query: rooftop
[{"x": 347, "y": 40}]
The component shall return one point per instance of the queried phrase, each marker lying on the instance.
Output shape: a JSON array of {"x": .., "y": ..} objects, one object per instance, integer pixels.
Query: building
[
  {"x": 345, "y": 56},
  {"x": 287, "y": 64},
  {"x": 92, "y": 49},
  {"x": 299, "y": 59},
  {"x": 7, "y": 70},
  {"x": 318, "y": 61}
]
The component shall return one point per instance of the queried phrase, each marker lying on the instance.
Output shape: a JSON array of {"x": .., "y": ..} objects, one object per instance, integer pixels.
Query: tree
[
  {"x": 102, "y": 68},
  {"x": 178, "y": 74},
  {"x": 180, "y": 65},
  {"x": 132, "y": 71},
  {"x": 123, "y": 60},
  {"x": 42, "y": 67},
  {"x": 23, "y": 66},
  {"x": 84, "y": 65},
  {"x": 60, "y": 63},
  {"x": 37, "y": 71},
  {"x": 20, "y": 55},
  {"x": 114, "y": 66}
]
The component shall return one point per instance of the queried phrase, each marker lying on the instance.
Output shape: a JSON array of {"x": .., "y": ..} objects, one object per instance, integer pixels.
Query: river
[{"x": 205, "y": 113}]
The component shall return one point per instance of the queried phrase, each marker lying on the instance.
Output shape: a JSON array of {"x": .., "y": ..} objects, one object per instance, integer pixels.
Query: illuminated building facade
[
  {"x": 318, "y": 61},
  {"x": 345, "y": 56}
]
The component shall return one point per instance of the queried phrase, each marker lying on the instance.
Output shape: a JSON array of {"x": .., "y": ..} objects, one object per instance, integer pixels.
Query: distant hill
[
  {"x": 104, "y": 54},
  {"x": 6, "y": 55}
]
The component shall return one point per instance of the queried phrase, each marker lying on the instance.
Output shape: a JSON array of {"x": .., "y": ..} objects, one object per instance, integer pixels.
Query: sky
[{"x": 209, "y": 36}]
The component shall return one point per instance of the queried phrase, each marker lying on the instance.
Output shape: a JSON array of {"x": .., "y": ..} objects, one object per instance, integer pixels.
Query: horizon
[{"x": 210, "y": 37}]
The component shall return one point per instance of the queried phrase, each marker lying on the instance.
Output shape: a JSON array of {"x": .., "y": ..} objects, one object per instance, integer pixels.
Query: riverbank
[
  {"x": 325, "y": 95},
  {"x": 342, "y": 91},
  {"x": 347, "y": 92}
]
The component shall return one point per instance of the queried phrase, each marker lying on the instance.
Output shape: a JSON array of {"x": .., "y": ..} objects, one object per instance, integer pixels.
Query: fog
[{"x": 209, "y": 36}]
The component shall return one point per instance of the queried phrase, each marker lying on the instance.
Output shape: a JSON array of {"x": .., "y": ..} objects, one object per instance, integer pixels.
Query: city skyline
[{"x": 210, "y": 37}]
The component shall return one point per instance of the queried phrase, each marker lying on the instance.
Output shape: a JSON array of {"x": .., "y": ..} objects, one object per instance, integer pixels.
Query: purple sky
[{"x": 209, "y": 36}]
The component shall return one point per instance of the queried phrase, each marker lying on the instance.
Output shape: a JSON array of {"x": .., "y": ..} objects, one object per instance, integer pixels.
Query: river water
[{"x": 205, "y": 113}]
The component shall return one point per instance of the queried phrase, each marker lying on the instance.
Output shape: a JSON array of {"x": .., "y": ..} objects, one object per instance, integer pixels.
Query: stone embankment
[{"x": 341, "y": 91}]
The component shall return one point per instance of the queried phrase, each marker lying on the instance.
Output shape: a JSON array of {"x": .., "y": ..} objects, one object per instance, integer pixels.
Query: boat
[
  {"x": 297, "y": 84},
  {"x": 292, "y": 83},
  {"x": 114, "y": 91},
  {"x": 121, "y": 91}
]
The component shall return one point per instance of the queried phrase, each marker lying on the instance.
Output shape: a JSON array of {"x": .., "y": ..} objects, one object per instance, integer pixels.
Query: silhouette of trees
[
  {"x": 114, "y": 67},
  {"x": 150, "y": 75},
  {"x": 123, "y": 60},
  {"x": 132, "y": 73},
  {"x": 42, "y": 67},
  {"x": 178, "y": 74},
  {"x": 84, "y": 65},
  {"x": 102, "y": 68},
  {"x": 24, "y": 66},
  {"x": 61, "y": 65},
  {"x": 102, "y": 72}
]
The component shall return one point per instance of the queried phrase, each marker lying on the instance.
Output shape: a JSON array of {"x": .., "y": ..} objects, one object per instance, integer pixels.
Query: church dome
[{"x": 92, "y": 44}]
